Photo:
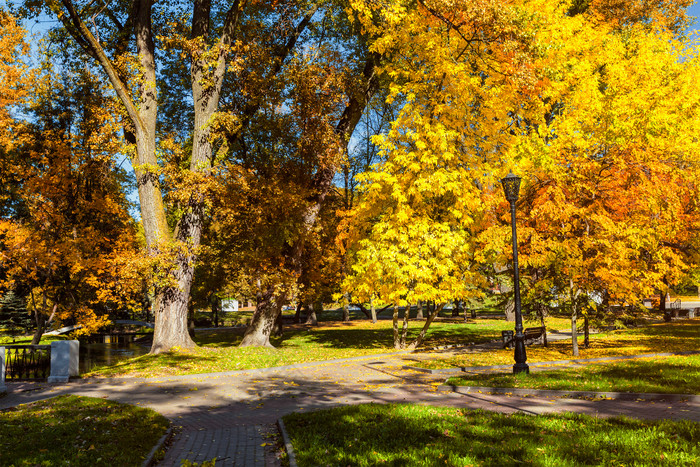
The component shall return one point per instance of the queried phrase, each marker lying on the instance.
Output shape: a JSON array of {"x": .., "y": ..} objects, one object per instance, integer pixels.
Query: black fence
[{"x": 27, "y": 362}]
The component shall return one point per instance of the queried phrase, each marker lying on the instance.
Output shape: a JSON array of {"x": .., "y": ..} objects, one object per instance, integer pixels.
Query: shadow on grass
[
  {"x": 382, "y": 338},
  {"x": 411, "y": 435},
  {"x": 87, "y": 431},
  {"x": 667, "y": 375}
]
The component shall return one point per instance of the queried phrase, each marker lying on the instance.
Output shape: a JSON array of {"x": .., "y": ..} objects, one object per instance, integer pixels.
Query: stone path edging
[
  {"x": 287, "y": 444},
  {"x": 554, "y": 362},
  {"x": 551, "y": 393},
  {"x": 150, "y": 458}
]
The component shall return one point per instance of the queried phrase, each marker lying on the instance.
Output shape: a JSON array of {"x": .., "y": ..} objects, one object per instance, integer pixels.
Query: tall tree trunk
[
  {"x": 574, "y": 334},
  {"x": 510, "y": 310},
  {"x": 404, "y": 329},
  {"x": 261, "y": 326},
  {"x": 373, "y": 310},
  {"x": 419, "y": 312},
  {"x": 297, "y": 313},
  {"x": 455, "y": 309},
  {"x": 346, "y": 307},
  {"x": 586, "y": 332},
  {"x": 395, "y": 326},
  {"x": 311, "y": 316}
]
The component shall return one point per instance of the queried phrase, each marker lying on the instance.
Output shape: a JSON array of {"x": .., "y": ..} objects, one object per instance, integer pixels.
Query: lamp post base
[{"x": 521, "y": 368}]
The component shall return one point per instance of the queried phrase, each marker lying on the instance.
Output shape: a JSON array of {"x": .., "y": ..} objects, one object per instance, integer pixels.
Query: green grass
[
  {"x": 78, "y": 431},
  {"x": 410, "y": 435},
  {"x": 26, "y": 340},
  {"x": 218, "y": 349},
  {"x": 664, "y": 375},
  {"x": 678, "y": 336}
]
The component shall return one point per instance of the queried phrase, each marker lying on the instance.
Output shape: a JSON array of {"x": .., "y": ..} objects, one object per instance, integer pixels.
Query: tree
[
  {"x": 72, "y": 246},
  {"x": 245, "y": 45},
  {"x": 489, "y": 86}
]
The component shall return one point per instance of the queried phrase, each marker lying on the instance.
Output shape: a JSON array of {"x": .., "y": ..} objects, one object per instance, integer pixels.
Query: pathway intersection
[{"x": 231, "y": 415}]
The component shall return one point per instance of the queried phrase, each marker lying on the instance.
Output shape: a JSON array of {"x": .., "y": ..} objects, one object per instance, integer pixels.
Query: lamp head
[{"x": 511, "y": 186}]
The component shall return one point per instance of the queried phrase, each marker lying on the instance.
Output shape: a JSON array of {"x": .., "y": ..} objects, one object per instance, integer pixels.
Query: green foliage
[
  {"x": 14, "y": 317},
  {"x": 78, "y": 431},
  {"x": 412, "y": 435}
]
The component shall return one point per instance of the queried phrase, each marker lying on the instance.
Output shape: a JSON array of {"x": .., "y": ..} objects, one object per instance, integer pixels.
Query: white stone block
[
  {"x": 3, "y": 388},
  {"x": 64, "y": 360}
]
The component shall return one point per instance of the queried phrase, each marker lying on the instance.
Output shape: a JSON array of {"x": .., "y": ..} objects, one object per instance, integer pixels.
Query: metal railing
[{"x": 27, "y": 362}]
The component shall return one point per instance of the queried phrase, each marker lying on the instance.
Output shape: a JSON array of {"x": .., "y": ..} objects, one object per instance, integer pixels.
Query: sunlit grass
[
  {"x": 218, "y": 350},
  {"x": 663, "y": 375},
  {"x": 678, "y": 336},
  {"x": 78, "y": 431},
  {"x": 411, "y": 435}
]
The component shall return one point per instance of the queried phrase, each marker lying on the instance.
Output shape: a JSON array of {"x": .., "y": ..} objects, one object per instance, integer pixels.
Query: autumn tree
[
  {"x": 245, "y": 45},
  {"x": 72, "y": 245},
  {"x": 491, "y": 86}
]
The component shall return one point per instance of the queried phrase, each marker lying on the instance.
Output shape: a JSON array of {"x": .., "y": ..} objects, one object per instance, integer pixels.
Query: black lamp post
[{"x": 511, "y": 187}]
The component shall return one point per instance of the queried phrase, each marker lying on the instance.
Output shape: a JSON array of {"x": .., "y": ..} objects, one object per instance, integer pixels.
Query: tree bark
[
  {"x": 373, "y": 310},
  {"x": 346, "y": 308},
  {"x": 574, "y": 334},
  {"x": 510, "y": 310},
  {"x": 419, "y": 312},
  {"x": 404, "y": 329},
  {"x": 424, "y": 330},
  {"x": 266, "y": 311},
  {"x": 395, "y": 326}
]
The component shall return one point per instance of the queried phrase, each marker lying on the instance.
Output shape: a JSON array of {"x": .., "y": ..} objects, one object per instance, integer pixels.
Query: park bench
[{"x": 537, "y": 335}]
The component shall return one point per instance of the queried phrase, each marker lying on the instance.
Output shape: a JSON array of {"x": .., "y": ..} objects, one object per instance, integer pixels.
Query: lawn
[
  {"x": 678, "y": 336},
  {"x": 411, "y": 435},
  {"x": 663, "y": 375},
  {"x": 218, "y": 349},
  {"x": 78, "y": 431}
]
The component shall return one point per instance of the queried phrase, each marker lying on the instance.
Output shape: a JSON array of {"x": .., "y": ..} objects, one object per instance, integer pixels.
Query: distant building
[{"x": 229, "y": 305}]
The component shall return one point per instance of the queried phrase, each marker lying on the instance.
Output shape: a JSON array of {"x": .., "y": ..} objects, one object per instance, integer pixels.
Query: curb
[
  {"x": 287, "y": 444},
  {"x": 625, "y": 396},
  {"x": 555, "y": 362},
  {"x": 149, "y": 460}
]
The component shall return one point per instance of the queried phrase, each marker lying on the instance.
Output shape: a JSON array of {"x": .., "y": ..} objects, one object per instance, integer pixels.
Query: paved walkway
[{"x": 228, "y": 415}]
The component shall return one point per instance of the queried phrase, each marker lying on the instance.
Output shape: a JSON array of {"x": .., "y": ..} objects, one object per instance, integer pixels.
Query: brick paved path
[{"x": 226, "y": 415}]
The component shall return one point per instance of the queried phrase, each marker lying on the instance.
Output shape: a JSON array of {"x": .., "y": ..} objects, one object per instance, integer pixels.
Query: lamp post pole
[{"x": 511, "y": 187}]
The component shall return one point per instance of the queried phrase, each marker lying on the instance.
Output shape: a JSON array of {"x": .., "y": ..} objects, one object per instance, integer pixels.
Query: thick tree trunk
[
  {"x": 455, "y": 309},
  {"x": 257, "y": 334},
  {"x": 373, "y": 310},
  {"x": 311, "y": 317}
]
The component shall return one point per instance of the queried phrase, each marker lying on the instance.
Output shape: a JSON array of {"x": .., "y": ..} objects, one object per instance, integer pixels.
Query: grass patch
[
  {"x": 218, "y": 350},
  {"x": 411, "y": 435},
  {"x": 26, "y": 340},
  {"x": 678, "y": 336},
  {"x": 664, "y": 375},
  {"x": 78, "y": 431}
]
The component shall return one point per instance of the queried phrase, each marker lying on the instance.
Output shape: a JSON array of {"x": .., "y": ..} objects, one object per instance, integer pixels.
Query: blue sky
[{"x": 695, "y": 11}]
